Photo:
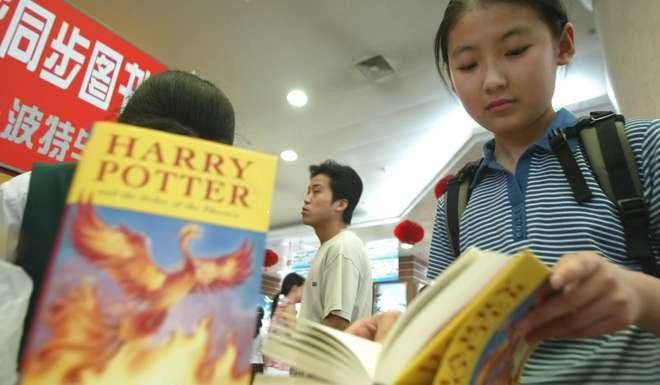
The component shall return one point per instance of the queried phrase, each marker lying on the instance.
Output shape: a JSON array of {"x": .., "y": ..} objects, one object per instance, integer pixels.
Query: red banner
[{"x": 60, "y": 71}]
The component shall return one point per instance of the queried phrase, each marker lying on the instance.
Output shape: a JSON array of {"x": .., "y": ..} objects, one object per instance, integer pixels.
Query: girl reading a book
[
  {"x": 500, "y": 58},
  {"x": 284, "y": 304}
]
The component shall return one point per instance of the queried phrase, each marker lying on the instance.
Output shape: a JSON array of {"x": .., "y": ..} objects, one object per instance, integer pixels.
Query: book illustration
[
  {"x": 155, "y": 274},
  {"x": 146, "y": 295},
  {"x": 502, "y": 358}
]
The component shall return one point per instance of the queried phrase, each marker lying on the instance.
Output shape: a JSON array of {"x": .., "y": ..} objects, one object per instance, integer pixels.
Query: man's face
[{"x": 318, "y": 207}]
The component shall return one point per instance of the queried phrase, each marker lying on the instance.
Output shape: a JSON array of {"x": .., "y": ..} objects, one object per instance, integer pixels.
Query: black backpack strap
[
  {"x": 456, "y": 199},
  {"x": 559, "y": 146},
  {"x": 618, "y": 176}
]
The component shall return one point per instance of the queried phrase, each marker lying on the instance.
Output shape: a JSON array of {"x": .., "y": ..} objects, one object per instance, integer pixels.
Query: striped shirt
[{"x": 535, "y": 208}]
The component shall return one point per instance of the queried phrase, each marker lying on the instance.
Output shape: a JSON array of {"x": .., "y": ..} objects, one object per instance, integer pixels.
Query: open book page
[
  {"x": 324, "y": 352},
  {"x": 429, "y": 314},
  {"x": 307, "y": 340},
  {"x": 367, "y": 352},
  {"x": 319, "y": 366},
  {"x": 306, "y": 353},
  {"x": 261, "y": 379},
  {"x": 330, "y": 346}
]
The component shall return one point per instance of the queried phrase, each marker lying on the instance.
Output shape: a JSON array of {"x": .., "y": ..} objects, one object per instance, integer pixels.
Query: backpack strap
[
  {"x": 456, "y": 199},
  {"x": 609, "y": 127},
  {"x": 44, "y": 207},
  {"x": 559, "y": 145},
  {"x": 618, "y": 176}
]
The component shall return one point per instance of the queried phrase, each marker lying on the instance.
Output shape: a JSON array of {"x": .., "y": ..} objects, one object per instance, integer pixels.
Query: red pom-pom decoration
[
  {"x": 441, "y": 186},
  {"x": 271, "y": 258},
  {"x": 409, "y": 232}
]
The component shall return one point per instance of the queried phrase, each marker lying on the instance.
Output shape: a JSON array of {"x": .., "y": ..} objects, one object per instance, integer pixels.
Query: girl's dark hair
[
  {"x": 182, "y": 103},
  {"x": 551, "y": 12},
  {"x": 289, "y": 282},
  {"x": 260, "y": 320}
]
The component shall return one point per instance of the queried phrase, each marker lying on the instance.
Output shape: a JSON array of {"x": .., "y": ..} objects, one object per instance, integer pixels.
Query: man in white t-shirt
[{"x": 338, "y": 289}]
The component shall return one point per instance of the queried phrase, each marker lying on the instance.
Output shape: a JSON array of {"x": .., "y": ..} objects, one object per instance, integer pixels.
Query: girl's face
[
  {"x": 502, "y": 61},
  {"x": 295, "y": 294}
]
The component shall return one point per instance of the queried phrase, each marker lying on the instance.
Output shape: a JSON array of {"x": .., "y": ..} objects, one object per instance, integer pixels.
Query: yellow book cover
[
  {"x": 155, "y": 275},
  {"x": 481, "y": 346}
]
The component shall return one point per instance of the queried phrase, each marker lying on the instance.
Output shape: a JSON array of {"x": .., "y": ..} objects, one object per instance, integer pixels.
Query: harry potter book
[
  {"x": 154, "y": 278},
  {"x": 460, "y": 330}
]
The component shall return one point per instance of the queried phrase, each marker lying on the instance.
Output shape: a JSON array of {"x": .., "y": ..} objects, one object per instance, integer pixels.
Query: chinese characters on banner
[{"x": 60, "y": 71}]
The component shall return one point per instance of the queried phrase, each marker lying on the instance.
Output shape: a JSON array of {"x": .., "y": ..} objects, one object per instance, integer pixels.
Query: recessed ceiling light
[
  {"x": 297, "y": 98},
  {"x": 289, "y": 155}
]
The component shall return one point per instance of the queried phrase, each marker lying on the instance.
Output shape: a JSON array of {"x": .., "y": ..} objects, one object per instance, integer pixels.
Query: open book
[
  {"x": 457, "y": 331},
  {"x": 155, "y": 275}
]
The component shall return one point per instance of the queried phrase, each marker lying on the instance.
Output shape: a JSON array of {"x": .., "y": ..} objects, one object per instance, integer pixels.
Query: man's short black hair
[{"x": 345, "y": 183}]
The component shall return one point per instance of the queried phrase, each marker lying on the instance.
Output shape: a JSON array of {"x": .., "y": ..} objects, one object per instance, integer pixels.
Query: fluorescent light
[
  {"x": 289, "y": 155},
  {"x": 297, "y": 98}
]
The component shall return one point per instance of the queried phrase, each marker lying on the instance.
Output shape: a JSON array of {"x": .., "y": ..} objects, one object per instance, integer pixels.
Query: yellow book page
[
  {"x": 423, "y": 368},
  {"x": 484, "y": 348},
  {"x": 328, "y": 354},
  {"x": 166, "y": 174}
]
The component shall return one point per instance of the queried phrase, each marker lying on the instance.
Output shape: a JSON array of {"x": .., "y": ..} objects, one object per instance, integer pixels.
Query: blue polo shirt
[
  {"x": 517, "y": 183},
  {"x": 535, "y": 208}
]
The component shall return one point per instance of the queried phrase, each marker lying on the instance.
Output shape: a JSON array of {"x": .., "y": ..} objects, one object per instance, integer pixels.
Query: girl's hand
[{"x": 594, "y": 297}]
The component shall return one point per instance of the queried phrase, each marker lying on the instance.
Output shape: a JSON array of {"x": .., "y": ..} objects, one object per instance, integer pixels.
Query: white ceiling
[{"x": 400, "y": 133}]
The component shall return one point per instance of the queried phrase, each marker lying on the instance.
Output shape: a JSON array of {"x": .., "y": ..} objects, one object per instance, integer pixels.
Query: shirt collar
[{"x": 563, "y": 118}]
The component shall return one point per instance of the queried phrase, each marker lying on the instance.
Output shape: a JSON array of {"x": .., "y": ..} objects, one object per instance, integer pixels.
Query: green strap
[
  {"x": 595, "y": 155},
  {"x": 49, "y": 186},
  {"x": 615, "y": 169}
]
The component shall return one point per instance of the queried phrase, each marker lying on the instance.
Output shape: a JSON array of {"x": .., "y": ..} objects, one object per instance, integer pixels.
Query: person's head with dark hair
[
  {"x": 551, "y": 12},
  {"x": 260, "y": 320},
  {"x": 292, "y": 288},
  {"x": 333, "y": 192},
  {"x": 501, "y": 59},
  {"x": 181, "y": 103}
]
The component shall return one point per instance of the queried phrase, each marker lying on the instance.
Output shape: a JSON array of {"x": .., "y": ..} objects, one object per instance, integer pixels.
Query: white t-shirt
[
  {"x": 339, "y": 280},
  {"x": 13, "y": 196}
]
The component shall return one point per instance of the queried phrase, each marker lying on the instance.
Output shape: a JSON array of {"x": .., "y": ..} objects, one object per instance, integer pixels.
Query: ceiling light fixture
[
  {"x": 289, "y": 155},
  {"x": 297, "y": 98}
]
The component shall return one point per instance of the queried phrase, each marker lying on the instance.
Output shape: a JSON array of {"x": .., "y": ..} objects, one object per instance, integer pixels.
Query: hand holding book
[
  {"x": 460, "y": 330},
  {"x": 594, "y": 297},
  {"x": 374, "y": 328}
]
